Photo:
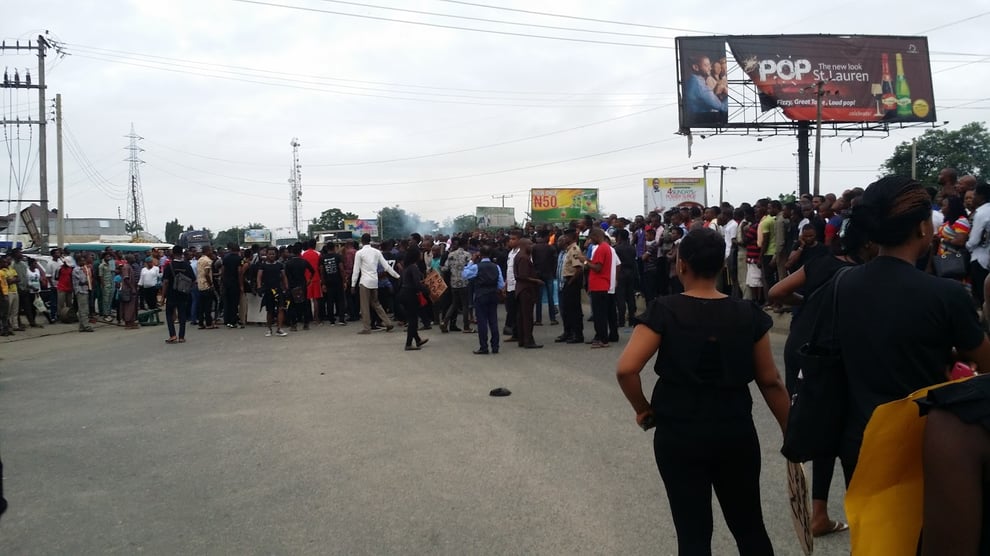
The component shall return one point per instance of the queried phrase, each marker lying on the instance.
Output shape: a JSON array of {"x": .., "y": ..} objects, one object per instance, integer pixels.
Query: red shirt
[
  {"x": 64, "y": 279},
  {"x": 600, "y": 281}
]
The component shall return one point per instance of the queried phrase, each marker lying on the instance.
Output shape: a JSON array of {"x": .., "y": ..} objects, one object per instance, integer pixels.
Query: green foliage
[
  {"x": 172, "y": 231},
  {"x": 132, "y": 227},
  {"x": 462, "y": 223},
  {"x": 331, "y": 219},
  {"x": 966, "y": 149},
  {"x": 786, "y": 198},
  {"x": 230, "y": 235}
]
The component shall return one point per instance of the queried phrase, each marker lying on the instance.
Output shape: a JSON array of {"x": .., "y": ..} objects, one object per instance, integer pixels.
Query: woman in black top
[
  {"x": 849, "y": 249},
  {"x": 412, "y": 284},
  {"x": 709, "y": 347},
  {"x": 898, "y": 325}
]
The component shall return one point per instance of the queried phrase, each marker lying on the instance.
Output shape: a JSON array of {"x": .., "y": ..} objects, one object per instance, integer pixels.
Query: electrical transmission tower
[
  {"x": 295, "y": 181},
  {"x": 137, "y": 220}
]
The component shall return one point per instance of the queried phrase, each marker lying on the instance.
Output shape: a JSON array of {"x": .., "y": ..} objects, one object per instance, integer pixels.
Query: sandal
[
  {"x": 182, "y": 340},
  {"x": 171, "y": 341},
  {"x": 833, "y": 527}
]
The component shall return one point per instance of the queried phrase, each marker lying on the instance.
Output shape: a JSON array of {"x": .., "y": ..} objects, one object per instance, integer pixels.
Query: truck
[{"x": 195, "y": 238}]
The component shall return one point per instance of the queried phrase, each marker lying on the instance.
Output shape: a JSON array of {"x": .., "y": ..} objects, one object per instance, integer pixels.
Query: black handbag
[
  {"x": 817, "y": 418},
  {"x": 951, "y": 264}
]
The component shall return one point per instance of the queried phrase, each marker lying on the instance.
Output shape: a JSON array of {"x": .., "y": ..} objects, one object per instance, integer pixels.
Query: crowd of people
[{"x": 697, "y": 284}]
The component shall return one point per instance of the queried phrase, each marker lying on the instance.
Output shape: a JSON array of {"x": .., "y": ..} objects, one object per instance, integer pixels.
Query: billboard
[
  {"x": 263, "y": 237},
  {"x": 549, "y": 206},
  {"x": 661, "y": 194},
  {"x": 495, "y": 217},
  {"x": 867, "y": 78},
  {"x": 361, "y": 227},
  {"x": 703, "y": 78}
]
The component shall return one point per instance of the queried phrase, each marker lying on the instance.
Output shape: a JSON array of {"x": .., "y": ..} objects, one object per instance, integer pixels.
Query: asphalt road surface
[{"x": 326, "y": 442}]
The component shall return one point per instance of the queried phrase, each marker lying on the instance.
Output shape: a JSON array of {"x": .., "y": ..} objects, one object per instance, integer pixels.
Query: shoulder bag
[
  {"x": 951, "y": 264},
  {"x": 183, "y": 283},
  {"x": 817, "y": 418}
]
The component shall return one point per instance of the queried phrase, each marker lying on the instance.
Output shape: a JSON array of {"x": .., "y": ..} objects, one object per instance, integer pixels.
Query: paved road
[{"x": 326, "y": 442}]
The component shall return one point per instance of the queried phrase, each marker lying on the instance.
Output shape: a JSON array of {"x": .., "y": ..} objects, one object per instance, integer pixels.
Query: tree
[
  {"x": 967, "y": 150},
  {"x": 331, "y": 219},
  {"x": 230, "y": 235},
  {"x": 397, "y": 223},
  {"x": 132, "y": 227},
  {"x": 462, "y": 223},
  {"x": 172, "y": 231}
]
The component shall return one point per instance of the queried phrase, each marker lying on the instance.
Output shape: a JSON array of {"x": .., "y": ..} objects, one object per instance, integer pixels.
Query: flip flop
[
  {"x": 834, "y": 527},
  {"x": 171, "y": 341}
]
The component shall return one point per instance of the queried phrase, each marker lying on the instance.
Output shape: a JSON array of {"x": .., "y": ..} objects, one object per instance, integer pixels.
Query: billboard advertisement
[
  {"x": 263, "y": 237},
  {"x": 703, "y": 78},
  {"x": 361, "y": 227},
  {"x": 866, "y": 78},
  {"x": 551, "y": 206},
  {"x": 661, "y": 194},
  {"x": 495, "y": 217}
]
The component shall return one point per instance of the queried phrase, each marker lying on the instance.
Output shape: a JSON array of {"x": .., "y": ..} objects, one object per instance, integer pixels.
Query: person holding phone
[{"x": 709, "y": 347}]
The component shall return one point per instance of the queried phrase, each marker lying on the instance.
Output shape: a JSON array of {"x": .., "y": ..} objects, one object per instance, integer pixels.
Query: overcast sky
[{"x": 218, "y": 88}]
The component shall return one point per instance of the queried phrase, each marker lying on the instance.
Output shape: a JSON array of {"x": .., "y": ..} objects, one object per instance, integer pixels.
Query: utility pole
[
  {"x": 503, "y": 197},
  {"x": 41, "y": 47},
  {"x": 819, "y": 93},
  {"x": 295, "y": 183},
  {"x": 43, "y": 143},
  {"x": 60, "y": 221},
  {"x": 721, "y": 183}
]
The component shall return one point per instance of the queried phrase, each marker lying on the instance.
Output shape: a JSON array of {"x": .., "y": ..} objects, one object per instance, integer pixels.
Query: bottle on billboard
[
  {"x": 887, "y": 98},
  {"x": 902, "y": 90}
]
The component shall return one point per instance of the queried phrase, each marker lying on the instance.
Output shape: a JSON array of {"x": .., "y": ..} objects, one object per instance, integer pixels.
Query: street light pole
[{"x": 704, "y": 167}]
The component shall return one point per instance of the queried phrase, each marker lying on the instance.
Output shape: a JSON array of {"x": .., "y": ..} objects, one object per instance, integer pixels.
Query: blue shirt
[
  {"x": 560, "y": 269},
  {"x": 698, "y": 98},
  {"x": 471, "y": 272}
]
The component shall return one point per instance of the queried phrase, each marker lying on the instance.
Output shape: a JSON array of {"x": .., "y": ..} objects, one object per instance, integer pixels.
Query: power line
[
  {"x": 108, "y": 51},
  {"x": 490, "y": 31},
  {"x": 574, "y": 17},
  {"x": 487, "y": 20},
  {"x": 430, "y": 180},
  {"x": 951, "y": 23},
  {"x": 425, "y": 156},
  {"x": 325, "y": 90}
]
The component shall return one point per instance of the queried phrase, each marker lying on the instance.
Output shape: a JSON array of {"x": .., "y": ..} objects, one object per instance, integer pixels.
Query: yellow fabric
[
  {"x": 885, "y": 499},
  {"x": 5, "y": 274}
]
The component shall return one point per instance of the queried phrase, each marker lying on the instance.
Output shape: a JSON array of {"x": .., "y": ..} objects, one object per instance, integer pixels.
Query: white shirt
[
  {"x": 366, "y": 263},
  {"x": 149, "y": 277},
  {"x": 938, "y": 219},
  {"x": 729, "y": 233},
  {"x": 979, "y": 250},
  {"x": 615, "y": 267},
  {"x": 510, "y": 273}
]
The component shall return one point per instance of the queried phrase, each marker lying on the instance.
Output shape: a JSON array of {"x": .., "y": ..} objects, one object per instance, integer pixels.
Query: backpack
[{"x": 183, "y": 283}]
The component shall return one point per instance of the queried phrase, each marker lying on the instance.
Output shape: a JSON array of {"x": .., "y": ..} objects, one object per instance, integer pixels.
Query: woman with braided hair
[{"x": 897, "y": 325}]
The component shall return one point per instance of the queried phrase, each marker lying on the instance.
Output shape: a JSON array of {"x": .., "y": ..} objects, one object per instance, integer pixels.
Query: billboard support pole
[
  {"x": 914, "y": 159},
  {"x": 803, "y": 132},
  {"x": 819, "y": 92}
]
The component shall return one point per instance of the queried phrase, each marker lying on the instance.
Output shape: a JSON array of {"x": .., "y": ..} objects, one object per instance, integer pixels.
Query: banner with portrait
[{"x": 662, "y": 194}]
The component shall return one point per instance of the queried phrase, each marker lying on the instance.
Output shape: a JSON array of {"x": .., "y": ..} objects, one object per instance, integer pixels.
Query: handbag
[
  {"x": 951, "y": 264},
  {"x": 817, "y": 418},
  {"x": 421, "y": 298}
]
